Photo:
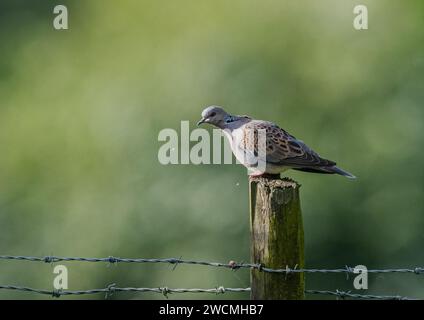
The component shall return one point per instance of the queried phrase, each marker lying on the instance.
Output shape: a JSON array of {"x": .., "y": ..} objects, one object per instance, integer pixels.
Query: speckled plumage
[{"x": 282, "y": 150}]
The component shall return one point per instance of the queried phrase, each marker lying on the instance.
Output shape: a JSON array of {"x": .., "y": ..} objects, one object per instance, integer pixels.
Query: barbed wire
[
  {"x": 112, "y": 288},
  {"x": 230, "y": 265},
  {"x": 348, "y": 294}
]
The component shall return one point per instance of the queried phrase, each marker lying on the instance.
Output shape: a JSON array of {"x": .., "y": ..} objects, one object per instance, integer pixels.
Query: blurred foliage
[{"x": 81, "y": 110}]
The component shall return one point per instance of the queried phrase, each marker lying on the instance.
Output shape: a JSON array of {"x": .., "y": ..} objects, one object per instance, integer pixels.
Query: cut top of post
[{"x": 274, "y": 181}]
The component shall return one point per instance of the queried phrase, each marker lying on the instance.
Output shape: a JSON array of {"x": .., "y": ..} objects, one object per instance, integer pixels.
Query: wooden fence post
[{"x": 276, "y": 238}]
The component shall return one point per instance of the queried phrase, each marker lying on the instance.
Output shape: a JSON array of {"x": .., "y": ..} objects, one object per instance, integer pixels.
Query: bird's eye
[{"x": 212, "y": 114}]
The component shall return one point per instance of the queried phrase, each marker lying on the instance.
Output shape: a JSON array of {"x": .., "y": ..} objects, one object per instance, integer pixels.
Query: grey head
[{"x": 218, "y": 117}]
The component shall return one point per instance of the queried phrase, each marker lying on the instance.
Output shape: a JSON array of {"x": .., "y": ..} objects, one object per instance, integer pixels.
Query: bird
[{"x": 280, "y": 150}]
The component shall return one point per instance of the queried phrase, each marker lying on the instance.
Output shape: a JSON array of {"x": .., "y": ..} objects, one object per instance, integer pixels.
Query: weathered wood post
[{"x": 276, "y": 238}]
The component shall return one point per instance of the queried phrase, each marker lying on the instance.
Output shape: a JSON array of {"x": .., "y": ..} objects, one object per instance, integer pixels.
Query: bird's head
[{"x": 214, "y": 115}]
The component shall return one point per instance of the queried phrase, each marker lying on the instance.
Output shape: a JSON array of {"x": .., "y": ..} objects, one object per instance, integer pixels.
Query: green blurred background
[{"x": 81, "y": 110}]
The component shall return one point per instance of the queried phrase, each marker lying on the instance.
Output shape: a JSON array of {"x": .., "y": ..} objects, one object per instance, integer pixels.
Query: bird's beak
[{"x": 203, "y": 120}]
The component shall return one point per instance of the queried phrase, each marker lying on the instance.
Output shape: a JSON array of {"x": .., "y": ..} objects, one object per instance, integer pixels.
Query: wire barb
[
  {"x": 165, "y": 291},
  {"x": 233, "y": 265},
  {"x": 419, "y": 270},
  {"x": 48, "y": 259},
  {"x": 220, "y": 289},
  {"x": 112, "y": 260},
  {"x": 110, "y": 290},
  {"x": 56, "y": 293}
]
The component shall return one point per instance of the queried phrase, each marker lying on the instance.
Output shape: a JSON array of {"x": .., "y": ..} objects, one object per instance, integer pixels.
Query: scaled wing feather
[{"x": 281, "y": 148}]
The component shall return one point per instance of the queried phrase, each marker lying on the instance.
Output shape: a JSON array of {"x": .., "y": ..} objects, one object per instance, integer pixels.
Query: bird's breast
[{"x": 235, "y": 137}]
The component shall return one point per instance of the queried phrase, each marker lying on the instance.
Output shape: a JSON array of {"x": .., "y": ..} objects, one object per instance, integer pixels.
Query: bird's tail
[
  {"x": 328, "y": 170},
  {"x": 342, "y": 172}
]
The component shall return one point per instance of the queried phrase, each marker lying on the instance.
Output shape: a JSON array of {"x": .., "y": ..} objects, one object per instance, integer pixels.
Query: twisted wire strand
[
  {"x": 230, "y": 265},
  {"x": 111, "y": 289},
  {"x": 348, "y": 294}
]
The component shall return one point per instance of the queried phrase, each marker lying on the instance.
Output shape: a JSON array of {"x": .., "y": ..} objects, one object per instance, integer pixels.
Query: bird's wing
[{"x": 281, "y": 148}]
